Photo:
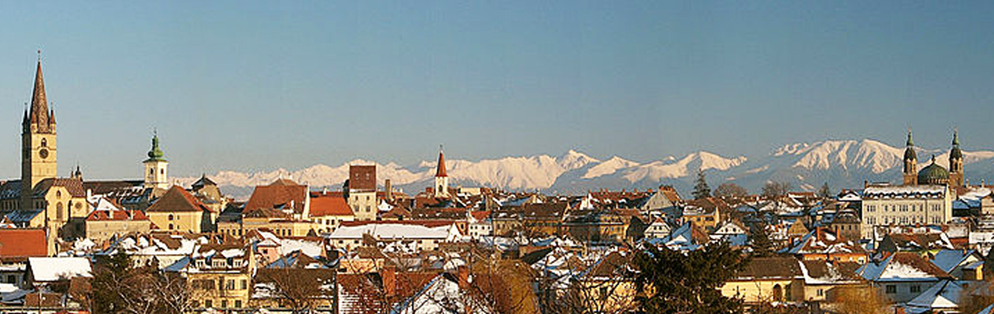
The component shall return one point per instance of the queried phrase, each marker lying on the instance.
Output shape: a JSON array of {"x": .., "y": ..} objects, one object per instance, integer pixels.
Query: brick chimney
[{"x": 389, "y": 190}]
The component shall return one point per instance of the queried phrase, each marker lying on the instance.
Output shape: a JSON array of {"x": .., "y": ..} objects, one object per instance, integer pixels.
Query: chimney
[{"x": 389, "y": 190}]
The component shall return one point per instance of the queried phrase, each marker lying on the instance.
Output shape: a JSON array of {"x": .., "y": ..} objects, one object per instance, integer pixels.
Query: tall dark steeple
[
  {"x": 910, "y": 162},
  {"x": 956, "y": 162}
]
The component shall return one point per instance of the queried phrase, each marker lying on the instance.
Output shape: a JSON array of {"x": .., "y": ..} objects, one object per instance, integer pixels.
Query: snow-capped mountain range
[{"x": 840, "y": 163}]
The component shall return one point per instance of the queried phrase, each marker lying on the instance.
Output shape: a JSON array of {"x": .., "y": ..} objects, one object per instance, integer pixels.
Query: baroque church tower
[
  {"x": 910, "y": 163},
  {"x": 38, "y": 142},
  {"x": 156, "y": 172},
  {"x": 441, "y": 178},
  {"x": 956, "y": 162}
]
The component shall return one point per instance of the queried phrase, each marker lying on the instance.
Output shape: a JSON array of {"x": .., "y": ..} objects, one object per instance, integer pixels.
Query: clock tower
[{"x": 38, "y": 142}]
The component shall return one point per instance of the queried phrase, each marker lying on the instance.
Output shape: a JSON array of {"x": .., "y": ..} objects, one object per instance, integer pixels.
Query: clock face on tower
[{"x": 43, "y": 153}]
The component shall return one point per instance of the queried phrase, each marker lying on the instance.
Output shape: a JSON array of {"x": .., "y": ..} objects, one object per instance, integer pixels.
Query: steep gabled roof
[
  {"x": 902, "y": 266},
  {"x": 322, "y": 205},
  {"x": 280, "y": 193},
  {"x": 73, "y": 185},
  {"x": 177, "y": 199}
]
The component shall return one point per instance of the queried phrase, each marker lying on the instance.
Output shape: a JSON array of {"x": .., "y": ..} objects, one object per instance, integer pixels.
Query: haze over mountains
[{"x": 806, "y": 166}]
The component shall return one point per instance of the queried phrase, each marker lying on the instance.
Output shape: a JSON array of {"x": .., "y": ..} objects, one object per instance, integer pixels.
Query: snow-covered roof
[
  {"x": 903, "y": 191},
  {"x": 902, "y": 266},
  {"x": 944, "y": 295},
  {"x": 54, "y": 268},
  {"x": 392, "y": 231}
]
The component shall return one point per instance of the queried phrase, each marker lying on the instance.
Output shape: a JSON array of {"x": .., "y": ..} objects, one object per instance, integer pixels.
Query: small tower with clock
[
  {"x": 156, "y": 172},
  {"x": 38, "y": 142}
]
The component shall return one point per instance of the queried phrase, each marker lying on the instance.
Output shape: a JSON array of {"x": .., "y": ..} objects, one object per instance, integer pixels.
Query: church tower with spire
[
  {"x": 910, "y": 162},
  {"x": 956, "y": 162},
  {"x": 38, "y": 141},
  {"x": 441, "y": 178},
  {"x": 156, "y": 172}
]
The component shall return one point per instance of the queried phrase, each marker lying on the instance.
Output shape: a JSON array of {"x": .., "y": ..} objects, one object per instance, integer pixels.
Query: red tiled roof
[
  {"x": 23, "y": 243},
  {"x": 177, "y": 200},
  {"x": 106, "y": 215},
  {"x": 323, "y": 205},
  {"x": 279, "y": 193},
  {"x": 426, "y": 223}
]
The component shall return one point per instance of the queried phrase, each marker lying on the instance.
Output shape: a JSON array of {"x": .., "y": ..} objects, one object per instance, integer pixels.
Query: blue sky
[{"x": 261, "y": 85}]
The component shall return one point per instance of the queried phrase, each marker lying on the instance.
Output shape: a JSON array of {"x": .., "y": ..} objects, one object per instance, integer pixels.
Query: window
[
  {"x": 44, "y": 142},
  {"x": 58, "y": 211},
  {"x": 58, "y": 194},
  {"x": 890, "y": 289},
  {"x": 208, "y": 303},
  {"x": 230, "y": 285},
  {"x": 224, "y": 304},
  {"x": 170, "y": 216},
  {"x": 238, "y": 303},
  {"x": 243, "y": 284},
  {"x": 821, "y": 292},
  {"x": 915, "y": 288}
]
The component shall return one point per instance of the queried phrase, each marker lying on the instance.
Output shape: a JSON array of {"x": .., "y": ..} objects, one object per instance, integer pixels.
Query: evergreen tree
[
  {"x": 687, "y": 282},
  {"x": 825, "y": 192},
  {"x": 760, "y": 240},
  {"x": 701, "y": 189}
]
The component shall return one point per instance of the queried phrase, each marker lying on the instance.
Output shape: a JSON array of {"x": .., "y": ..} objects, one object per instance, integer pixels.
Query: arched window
[
  {"x": 162, "y": 171},
  {"x": 58, "y": 211},
  {"x": 170, "y": 226},
  {"x": 170, "y": 218},
  {"x": 778, "y": 293},
  {"x": 58, "y": 194},
  {"x": 151, "y": 171},
  {"x": 44, "y": 142}
]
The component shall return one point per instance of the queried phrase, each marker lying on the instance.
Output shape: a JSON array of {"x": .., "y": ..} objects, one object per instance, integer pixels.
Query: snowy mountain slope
[{"x": 841, "y": 163}]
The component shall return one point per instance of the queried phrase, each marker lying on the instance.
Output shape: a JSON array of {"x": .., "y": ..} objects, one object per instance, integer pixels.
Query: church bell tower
[
  {"x": 910, "y": 162},
  {"x": 156, "y": 172},
  {"x": 38, "y": 141}
]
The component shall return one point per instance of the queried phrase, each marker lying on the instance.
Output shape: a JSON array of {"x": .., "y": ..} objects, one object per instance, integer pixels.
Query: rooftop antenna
[{"x": 39, "y": 55}]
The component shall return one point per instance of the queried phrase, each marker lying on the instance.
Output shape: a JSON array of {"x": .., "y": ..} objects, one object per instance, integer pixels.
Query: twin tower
[{"x": 934, "y": 174}]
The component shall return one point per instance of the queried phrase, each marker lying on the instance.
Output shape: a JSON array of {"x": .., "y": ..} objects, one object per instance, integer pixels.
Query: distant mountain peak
[{"x": 841, "y": 163}]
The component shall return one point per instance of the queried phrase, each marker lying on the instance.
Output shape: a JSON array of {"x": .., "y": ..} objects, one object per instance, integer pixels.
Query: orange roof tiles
[
  {"x": 322, "y": 205},
  {"x": 109, "y": 215},
  {"x": 22, "y": 243}
]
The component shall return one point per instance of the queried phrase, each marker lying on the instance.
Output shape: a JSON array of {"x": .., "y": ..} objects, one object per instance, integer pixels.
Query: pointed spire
[
  {"x": 440, "y": 170},
  {"x": 956, "y": 137},
  {"x": 910, "y": 142},
  {"x": 39, "y": 104}
]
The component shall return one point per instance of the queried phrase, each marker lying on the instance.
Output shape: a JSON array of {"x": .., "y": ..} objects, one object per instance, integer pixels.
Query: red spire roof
[{"x": 440, "y": 172}]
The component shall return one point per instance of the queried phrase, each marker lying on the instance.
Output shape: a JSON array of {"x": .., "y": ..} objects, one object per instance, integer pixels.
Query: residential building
[
  {"x": 360, "y": 191},
  {"x": 906, "y": 205},
  {"x": 178, "y": 210}
]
